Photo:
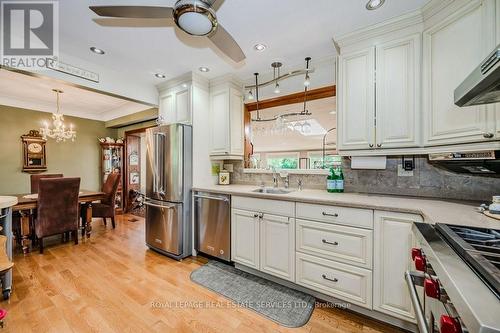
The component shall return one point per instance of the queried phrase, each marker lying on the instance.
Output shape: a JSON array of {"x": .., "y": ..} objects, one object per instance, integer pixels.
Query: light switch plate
[{"x": 403, "y": 173}]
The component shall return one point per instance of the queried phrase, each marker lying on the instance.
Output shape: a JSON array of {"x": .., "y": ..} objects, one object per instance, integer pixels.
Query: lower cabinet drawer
[
  {"x": 341, "y": 281},
  {"x": 340, "y": 243}
]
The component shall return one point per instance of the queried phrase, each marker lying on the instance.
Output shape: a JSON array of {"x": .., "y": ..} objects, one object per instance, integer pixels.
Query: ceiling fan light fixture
[
  {"x": 374, "y": 4},
  {"x": 195, "y": 17}
]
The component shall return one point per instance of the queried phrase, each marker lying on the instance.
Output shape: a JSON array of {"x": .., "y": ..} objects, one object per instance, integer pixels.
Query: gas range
[
  {"x": 479, "y": 248},
  {"x": 457, "y": 281}
]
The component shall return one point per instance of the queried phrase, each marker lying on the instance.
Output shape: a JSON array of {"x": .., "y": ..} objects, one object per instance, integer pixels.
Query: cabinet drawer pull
[
  {"x": 261, "y": 215},
  {"x": 331, "y": 243},
  {"x": 371, "y": 145},
  {"x": 488, "y": 135},
  {"x": 256, "y": 215},
  {"x": 327, "y": 278},
  {"x": 334, "y": 215}
]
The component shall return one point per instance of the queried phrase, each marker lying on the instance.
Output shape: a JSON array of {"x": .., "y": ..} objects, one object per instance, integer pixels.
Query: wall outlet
[{"x": 403, "y": 173}]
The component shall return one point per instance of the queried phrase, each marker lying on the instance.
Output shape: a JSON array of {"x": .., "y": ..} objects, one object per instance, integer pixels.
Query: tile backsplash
[{"x": 427, "y": 181}]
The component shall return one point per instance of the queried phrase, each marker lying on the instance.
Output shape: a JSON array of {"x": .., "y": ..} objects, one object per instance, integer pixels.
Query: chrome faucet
[
  {"x": 286, "y": 181},
  {"x": 275, "y": 177}
]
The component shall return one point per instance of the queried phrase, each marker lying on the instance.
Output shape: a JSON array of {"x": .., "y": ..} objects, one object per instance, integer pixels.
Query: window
[
  {"x": 316, "y": 160},
  {"x": 283, "y": 160}
]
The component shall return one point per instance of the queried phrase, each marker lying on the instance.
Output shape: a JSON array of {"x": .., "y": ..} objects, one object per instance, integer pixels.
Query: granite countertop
[
  {"x": 7, "y": 201},
  {"x": 432, "y": 210}
]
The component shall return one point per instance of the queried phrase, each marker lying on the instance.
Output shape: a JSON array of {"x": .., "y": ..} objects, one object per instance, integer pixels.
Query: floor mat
[{"x": 285, "y": 306}]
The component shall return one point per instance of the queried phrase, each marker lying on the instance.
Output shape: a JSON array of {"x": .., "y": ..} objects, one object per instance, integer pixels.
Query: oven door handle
[{"x": 413, "y": 278}]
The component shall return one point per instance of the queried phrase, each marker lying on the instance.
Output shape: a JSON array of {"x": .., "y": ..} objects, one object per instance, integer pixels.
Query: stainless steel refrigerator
[{"x": 168, "y": 189}]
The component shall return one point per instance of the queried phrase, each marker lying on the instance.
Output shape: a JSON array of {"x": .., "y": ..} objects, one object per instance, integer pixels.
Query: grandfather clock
[{"x": 34, "y": 155}]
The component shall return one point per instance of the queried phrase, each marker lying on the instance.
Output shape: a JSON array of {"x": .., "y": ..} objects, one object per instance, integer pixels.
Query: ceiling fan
[{"x": 195, "y": 17}]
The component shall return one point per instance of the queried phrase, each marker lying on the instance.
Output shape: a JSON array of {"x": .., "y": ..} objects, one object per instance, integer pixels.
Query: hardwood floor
[{"x": 110, "y": 283}]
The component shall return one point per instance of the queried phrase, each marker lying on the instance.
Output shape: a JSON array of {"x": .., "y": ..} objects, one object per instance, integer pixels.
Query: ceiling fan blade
[
  {"x": 226, "y": 43},
  {"x": 215, "y": 4},
  {"x": 133, "y": 22},
  {"x": 133, "y": 11}
]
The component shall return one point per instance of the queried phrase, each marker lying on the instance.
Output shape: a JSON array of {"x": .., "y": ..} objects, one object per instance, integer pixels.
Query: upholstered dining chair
[
  {"x": 35, "y": 180},
  {"x": 106, "y": 208},
  {"x": 58, "y": 209}
]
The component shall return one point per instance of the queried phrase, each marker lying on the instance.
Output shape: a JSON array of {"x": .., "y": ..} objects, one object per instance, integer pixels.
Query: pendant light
[
  {"x": 276, "y": 74},
  {"x": 307, "y": 81}
]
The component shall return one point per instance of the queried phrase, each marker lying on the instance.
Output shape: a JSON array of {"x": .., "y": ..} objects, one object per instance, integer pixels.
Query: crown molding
[
  {"x": 394, "y": 24},
  {"x": 187, "y": 78},
  {"x": 228, "y": 79}
]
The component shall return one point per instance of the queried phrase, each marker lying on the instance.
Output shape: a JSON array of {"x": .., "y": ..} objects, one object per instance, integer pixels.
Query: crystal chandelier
[{"x": 59, "y": 132}]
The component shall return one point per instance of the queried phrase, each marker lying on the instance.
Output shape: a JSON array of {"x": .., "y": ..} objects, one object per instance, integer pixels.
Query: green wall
[
  {"x": 121, "y": 131},
  {"x": 74, "y": 159}
]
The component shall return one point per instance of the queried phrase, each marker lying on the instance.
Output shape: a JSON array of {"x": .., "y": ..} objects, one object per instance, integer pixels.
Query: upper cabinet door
[
  {"x": 398, "y": 93},
  {"x": 166, "y": 107},
  {"x": 237, "y": 124},
  {"x": 219, "y": 122},
  {"x": 183, "y": 105},
  {"x": 356, "y": 104},
  {"x": 452, "y": 49}
]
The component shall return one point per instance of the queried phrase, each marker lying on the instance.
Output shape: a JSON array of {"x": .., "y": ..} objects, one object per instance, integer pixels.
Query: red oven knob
[
  {"x": 431, "y": 288},
  {"x": 420, "y": 263},
  {"x": 416, "y": 252},
  {"x": 450, "y": 325}
]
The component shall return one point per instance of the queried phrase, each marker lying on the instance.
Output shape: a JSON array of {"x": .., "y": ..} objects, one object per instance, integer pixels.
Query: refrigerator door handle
[{"x": 159, "y": 163}]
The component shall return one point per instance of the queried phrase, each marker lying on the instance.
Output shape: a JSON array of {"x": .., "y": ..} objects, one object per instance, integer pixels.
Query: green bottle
[
  {"x": 340, "y": 180},
  {"x": 331, "y": 181}
]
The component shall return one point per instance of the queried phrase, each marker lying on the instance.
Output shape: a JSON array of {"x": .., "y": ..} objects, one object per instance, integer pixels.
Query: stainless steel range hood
[{"x": 482, "y": 86}]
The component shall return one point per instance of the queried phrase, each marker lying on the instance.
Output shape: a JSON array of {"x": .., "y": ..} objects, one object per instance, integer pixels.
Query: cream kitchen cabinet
[
  {"x": 264, "y": 241},
  {"x": 379, "y": 95},
  {"x": 356, "y": 100},
  {"x": 226, "y": 120},
  {"x": 393, "y": 240},
  {"x": 245, "y": 237},
  {"x": 277, "y": 246},
  {"x": 175, "y": 104},
  {"x": 454, "y": 43}
]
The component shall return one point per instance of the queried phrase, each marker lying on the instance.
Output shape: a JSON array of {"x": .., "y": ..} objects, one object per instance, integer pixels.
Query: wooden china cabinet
[{"x": 112, "y": 162}]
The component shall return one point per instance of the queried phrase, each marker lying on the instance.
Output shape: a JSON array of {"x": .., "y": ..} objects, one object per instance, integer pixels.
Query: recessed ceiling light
[
  {"x": 204, "y": 69},
  {"x": 97, "y": 50},
  {"x": 259, "y": 47},
  {"x": 374, "y": 4},
  {"x": 160, "y": 76}
]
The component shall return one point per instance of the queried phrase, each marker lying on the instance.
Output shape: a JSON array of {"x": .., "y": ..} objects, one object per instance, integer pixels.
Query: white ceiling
[
  {"x": 29, "y": 92},
  {"x": 291, "y": 29}
]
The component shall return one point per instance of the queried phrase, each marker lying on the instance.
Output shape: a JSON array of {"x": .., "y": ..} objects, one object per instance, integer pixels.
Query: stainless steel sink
[{"x": 271, "y": 190}]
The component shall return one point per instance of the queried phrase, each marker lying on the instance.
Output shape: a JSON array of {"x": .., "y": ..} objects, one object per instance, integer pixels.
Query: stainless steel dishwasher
[{"x": 212, "y": 219}]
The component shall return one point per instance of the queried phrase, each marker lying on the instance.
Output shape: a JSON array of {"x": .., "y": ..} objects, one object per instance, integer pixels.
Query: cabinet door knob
[
  {"x": 333, "y": 215},
  {"x": 379, "y": 145},
  {"x": 330, "y": 243},
  {"x": 327, "y": 278},
  {"x": 488, "y": 135},
  {"x": 256, "y": 215},
  {"x": 261, "y": 215},
  {"x": 371, "y": 145}
]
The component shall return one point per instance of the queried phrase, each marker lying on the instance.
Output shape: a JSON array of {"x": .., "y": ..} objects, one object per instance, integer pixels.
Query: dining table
[{"x": 26, "y": 210}]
